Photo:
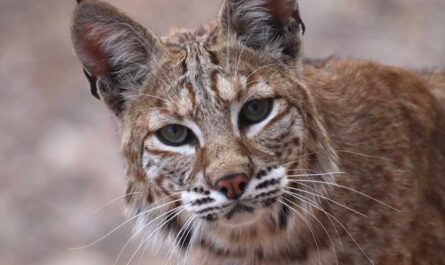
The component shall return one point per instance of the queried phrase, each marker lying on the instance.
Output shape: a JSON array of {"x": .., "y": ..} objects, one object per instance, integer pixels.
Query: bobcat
[{"x": 239, "y": 151}]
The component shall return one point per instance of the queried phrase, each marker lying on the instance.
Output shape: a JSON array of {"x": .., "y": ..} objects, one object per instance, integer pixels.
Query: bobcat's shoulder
[{"x": 389, "y": 122}]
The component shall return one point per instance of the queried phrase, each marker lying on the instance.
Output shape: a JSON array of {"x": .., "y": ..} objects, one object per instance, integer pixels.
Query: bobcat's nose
[{"x": 232, "y": 186}]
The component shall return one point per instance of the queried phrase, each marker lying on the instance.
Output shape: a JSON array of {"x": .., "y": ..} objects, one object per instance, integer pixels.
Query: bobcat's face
[
  {"x": 222, "y": 140},
  {"x": 216, "y": 124}
]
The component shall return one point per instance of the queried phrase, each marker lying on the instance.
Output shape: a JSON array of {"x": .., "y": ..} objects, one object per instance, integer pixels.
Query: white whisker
[
  {"x": 330, "y": 219},
  {"x": 121, "y": 225},
  {"x": 139, "y": 230},
  {"x": 329, "y": 199},
  {"x": 316, "y": 219},
  {"x": 344, "y": 228},
  {"x": 344, "y": 187},
  {"x": 156, "y": 230},
  {"x": 308, "y": 226},
  {"x": 261, "y": 68},
  {"x": 317, "y": 174},
  {"x": 114, "y": 200},
  {"x": 189, "y": 247}
]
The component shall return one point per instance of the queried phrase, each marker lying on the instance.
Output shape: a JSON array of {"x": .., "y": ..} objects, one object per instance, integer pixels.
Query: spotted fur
[{"x": 346, "y": 169}]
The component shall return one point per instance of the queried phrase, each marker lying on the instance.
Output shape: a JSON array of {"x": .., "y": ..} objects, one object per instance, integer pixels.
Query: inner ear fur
[
  {"x": 117, "y": 53},
  {"x": 273, "y": 26}
]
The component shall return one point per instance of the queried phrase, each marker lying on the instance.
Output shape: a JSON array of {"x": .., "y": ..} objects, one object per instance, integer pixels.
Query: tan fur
[{"x": 347, "y": 170}]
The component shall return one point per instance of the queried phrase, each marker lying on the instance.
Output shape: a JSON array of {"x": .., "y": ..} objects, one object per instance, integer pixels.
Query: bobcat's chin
[{"x": 241, "y": 217}]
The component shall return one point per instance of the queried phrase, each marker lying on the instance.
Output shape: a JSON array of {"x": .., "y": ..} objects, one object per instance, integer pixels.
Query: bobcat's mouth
[{"x": 239, "y": 209}]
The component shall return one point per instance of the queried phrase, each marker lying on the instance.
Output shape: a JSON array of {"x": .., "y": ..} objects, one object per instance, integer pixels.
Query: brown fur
[{"x": 359, "y": 145}]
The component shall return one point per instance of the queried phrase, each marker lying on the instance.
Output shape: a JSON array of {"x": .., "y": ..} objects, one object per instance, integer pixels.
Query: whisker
[
  {"x": 139, "y": 230},
  {"x": 330, "y": 219},
  {"x": 329, "y": 199},
  {"x": 165, "y": 222},
  {"x": 261, "y": 68},
  {"x": 143, "y": 253},
  {"x": 316, "y": 174},
  {"x": 114, "y": 200},
  {"x": 180, "y": 234},
  {"x": 308, "y": 226},
  {"x": 361, "y": 154},
  {"x": 304, "y": 169},
  {"x": 313, "y": 204},
  {"x": 121, "y": 225},
  {"x": 189, "y": 247},
  {"x": 145, "y": 249},
  {"x": 316, "y": 219},
  {"x": 345, "y": 187}
]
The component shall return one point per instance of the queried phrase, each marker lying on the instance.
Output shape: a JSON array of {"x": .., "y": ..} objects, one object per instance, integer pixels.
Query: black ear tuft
[
  {"x": 93, "y": 83},
  {"x": 300, "y": 21},
  {"x": 79, "y": 1}
]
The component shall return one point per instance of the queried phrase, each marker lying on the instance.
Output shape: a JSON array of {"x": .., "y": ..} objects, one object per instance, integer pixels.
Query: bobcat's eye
[
  {"x": 174, "y": 135},
  {"x": 256, "y": 111}
]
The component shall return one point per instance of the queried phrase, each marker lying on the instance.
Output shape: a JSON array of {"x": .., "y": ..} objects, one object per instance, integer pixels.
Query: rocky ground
[{"x": 59, "y": 158}]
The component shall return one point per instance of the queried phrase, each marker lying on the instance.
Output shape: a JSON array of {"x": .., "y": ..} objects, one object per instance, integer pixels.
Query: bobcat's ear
[
  {"x": 273, "y": 26},
  {"x": 117, "y": 53}
]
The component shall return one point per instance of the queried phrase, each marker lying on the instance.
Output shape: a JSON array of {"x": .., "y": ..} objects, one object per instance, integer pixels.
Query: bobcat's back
[{"x": 436, "y": 82}]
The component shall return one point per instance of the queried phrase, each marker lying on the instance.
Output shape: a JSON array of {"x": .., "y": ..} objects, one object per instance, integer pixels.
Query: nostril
[
  {"x": 224, "y": 191},
  {"x": 232, "y": 186},
  {"x": 242, "y": 186}
]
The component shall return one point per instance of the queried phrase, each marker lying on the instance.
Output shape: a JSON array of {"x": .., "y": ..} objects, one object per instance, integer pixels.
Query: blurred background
[{"x": 59, "y": 151}]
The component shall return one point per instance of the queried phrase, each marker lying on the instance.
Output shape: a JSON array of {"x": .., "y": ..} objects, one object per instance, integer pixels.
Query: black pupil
[
  {"x": 174, "y": 129},
  {"x": 253, "y": 106}
]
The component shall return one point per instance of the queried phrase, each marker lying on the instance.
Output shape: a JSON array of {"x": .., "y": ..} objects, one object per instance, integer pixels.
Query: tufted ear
[
  {"x": 117, "y": 53},
  {"x": 273, "y": 26}
]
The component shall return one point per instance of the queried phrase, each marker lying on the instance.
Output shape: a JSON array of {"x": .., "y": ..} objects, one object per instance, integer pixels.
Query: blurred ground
[{"x": 59, "y": 157}]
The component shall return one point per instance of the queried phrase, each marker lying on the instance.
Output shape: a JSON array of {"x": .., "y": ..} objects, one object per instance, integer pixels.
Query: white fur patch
[
  {"x": 234, "y": 115},
  {"x": 225, "y": 89}
]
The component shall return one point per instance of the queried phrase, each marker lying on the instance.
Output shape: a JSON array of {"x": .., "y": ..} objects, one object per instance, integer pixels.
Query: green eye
[
  {"x": 256, "y": 111},
  {"x": 174, "y": 135}
]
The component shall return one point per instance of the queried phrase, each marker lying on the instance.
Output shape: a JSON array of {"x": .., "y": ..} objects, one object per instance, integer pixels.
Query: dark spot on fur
[
  {"x": 211, "y": 217},
  {"x": 283, "y": 216},
  {"x": 185, "y": 236},
  {"x": 203, "y": 201},
  {"x": 259, "y": 253},
  {"x": 269, "y": 202},
  {"x": 261, "y": 174},
  {"x": 213, "y": 58},
  {"x": 313, "y": 157},
  {"x": 206, "y": 210},
  {"x": 265, "y": 194},
  {"x": 267, "y": 183}
]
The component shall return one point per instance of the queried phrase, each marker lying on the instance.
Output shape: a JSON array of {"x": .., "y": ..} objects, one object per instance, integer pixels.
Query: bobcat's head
[{"x": 216, "y": 124}]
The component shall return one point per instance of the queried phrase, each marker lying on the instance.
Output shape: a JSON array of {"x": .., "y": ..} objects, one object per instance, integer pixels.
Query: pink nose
[{"x": 232, "y": 186}]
